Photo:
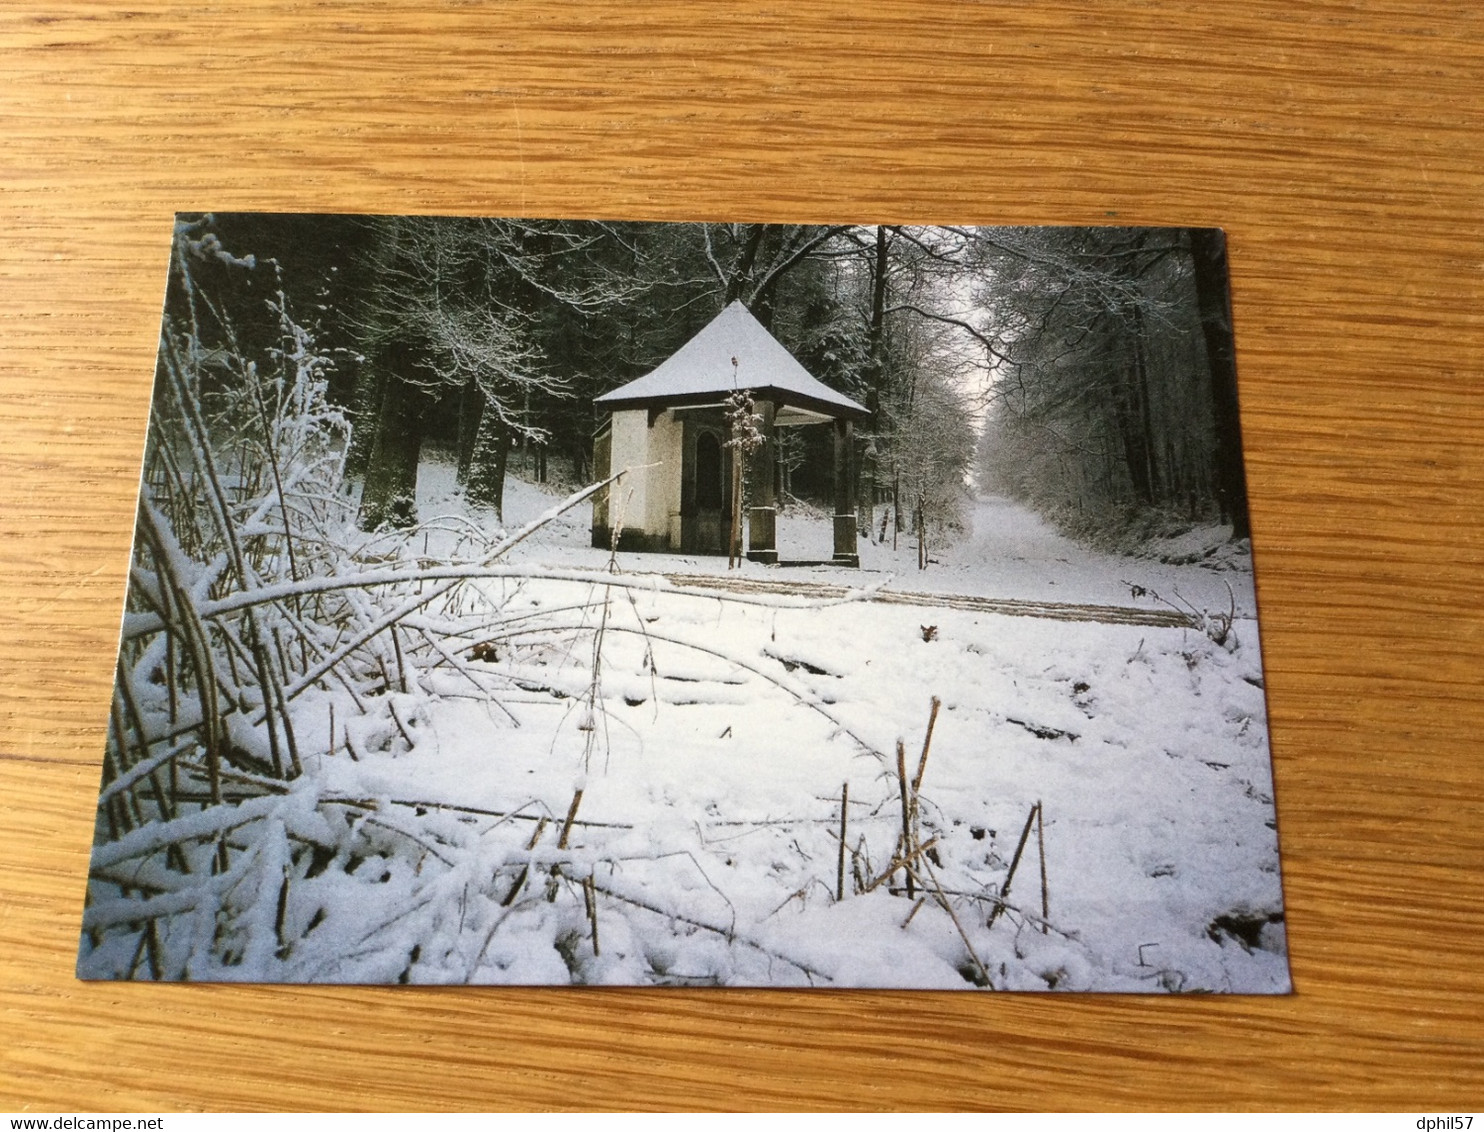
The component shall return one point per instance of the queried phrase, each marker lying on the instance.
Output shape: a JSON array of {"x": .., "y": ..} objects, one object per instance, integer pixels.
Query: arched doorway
[{"x": 710, "y": 494}]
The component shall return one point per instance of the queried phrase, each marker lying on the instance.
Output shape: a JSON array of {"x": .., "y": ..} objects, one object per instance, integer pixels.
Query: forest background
[{"x": 1086, "y": 372}]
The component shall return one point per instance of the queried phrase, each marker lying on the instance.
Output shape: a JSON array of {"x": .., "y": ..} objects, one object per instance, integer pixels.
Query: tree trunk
[
  {"x": 876, "y": 330},
  {"x": 1129, "y": 418},
  {"x": 389, "y": 495},
  {"x": 1152, "y": 479},
  {"x": 896, "y": 506},
  {"x": 846, "y": 522},
  {"x": 734, "y": 536},
  {"x": 365, "y": 412},
  {"x": 1208, "y": 248},
  {"x": 740, "y": 270},
  {"x": 490, "y": 458},
  {"x": 471, "y": 408}
]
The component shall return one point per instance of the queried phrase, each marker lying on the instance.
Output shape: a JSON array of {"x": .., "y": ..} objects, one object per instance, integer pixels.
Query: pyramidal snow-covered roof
[{"x": 703, "y": 371}]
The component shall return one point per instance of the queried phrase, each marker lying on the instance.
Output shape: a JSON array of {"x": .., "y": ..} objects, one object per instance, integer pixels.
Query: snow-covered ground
[
  {"x": 625, "y": 784},
  {"x": 1006, "y": 552},
  {"x": 726, "y": 733}
]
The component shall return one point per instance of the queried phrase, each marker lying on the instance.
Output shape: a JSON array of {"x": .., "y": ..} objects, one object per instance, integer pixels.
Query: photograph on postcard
[{"x": 717, "y": 604}]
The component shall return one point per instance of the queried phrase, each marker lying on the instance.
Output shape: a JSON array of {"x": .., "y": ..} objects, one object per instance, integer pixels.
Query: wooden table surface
[{"x": 1338, "y": 143}]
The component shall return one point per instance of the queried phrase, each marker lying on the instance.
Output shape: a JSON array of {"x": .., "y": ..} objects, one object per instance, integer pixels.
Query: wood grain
[{"x": 1338, "y": 143}]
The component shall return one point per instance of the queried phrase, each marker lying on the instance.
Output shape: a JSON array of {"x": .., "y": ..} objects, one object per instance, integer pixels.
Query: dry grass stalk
[
  {"x": 906, "y": 812},
  {"x": 916, "y": 908},
  {"x": 904, "y": 861},
  {"x": 840, "y": 866},
  {"x": 401, "y": 664},
  {"x": 1041, "y": 845},
  {"x": 281, "y": 913},
  {"x": 571, "y": 817},
  {"x": 927, "y": 742},
  {"x": 536, "y": 836},
  {"x": 525, "y": 870},
  {"x": 589, "y": 896},
  {"x": 295, "y": 766},
  {"x": 398, "y": 721},
  {"x": 942, "y": 899},
  {"x": 1014, "y": 864}
]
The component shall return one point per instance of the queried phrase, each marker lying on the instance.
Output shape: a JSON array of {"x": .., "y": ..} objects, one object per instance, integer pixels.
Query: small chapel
[{"x": 670, "y": 427}]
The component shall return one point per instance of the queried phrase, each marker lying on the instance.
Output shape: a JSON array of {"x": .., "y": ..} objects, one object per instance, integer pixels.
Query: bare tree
[
  {"x": 1106, "y": 408},
  {"x": 453, "y": 311}
]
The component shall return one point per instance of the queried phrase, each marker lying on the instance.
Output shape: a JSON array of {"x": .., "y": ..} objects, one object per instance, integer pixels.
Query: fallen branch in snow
[
  {"x": 799, "y": 692},
  {"x": 141, "y": 770},
  {"x": 420, "y": 804},
  {"x": 728, "y": 934},
  {"x": 155, "y": 836},
  {"x": 464, "y": 670},
  {"x": 142, "y": 624},
  {"x": 451, "y": 576},
  {"x": 1216, "y": 626},
  {"x": 763, "y": 823},
  {"x": 382, "y": 823}
]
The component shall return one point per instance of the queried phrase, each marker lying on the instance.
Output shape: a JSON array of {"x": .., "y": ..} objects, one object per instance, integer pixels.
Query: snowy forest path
[
  {"x": 1001, "y": 527},
  {"x": 1012, "y": 607},
  {"x": 1007, "y": 547}
]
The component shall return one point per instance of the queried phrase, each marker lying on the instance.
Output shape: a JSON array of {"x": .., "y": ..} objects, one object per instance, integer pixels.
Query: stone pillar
[
  {"x": 762, "y": 516},
  {"x": 847, "y": 551}
]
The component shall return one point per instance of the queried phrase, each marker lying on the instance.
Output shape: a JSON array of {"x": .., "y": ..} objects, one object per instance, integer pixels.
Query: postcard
[{"x": 536, "y": 602}]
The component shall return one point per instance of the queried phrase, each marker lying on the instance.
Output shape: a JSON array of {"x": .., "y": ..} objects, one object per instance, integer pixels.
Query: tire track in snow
[{"x": 1011, "y": 607}]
